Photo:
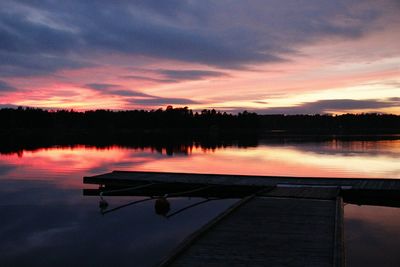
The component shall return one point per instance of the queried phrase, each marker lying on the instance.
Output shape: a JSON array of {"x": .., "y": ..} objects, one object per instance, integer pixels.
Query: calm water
[{"x": 46, "y": 221}]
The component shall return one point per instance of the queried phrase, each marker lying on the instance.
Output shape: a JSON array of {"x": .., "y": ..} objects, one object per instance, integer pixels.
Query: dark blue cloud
[
  {"x": 136, "y": 97},
  {"x": 150, "y": 79},
  {"x": 17, "y": 64},
  {"x": 156, "y": 101},
  {"x": 30, "y": 47},
  {"x": 183, "y": 75},
  {"x": 123, "y": 92},
  {"x": 114, "y": 89},
  {"x": 5, "y": 87},
  {"x": 41, "y": 37},
  {"x": 36, "y": 37},
  {"x": 326, "y": 106},
  {"x": 101, "y": 86},
  {"x": 175, "y": 76}
]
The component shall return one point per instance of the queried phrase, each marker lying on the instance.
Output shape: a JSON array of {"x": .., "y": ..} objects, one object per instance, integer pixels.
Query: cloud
[
  {"x": 260, "y": 102},
  {"x": 183, "y": 75},
  {"x": 144, "y": 78},
  {"x": 101, "y": 86},
  {"x": 326, "y": 106},
  {"x": 113, "y": 89},
  {"x": 29, "y": 47},
  {"x": 128, "y": 93},
  {"x": 175, "y": 76},
  {"x": 156, "y": 101},
  {"x": 42, "y": 37},
  {"x": 5, "y": 87},
  {"x": 14, "y": 64},
  {"x": 136, "y": 97}
]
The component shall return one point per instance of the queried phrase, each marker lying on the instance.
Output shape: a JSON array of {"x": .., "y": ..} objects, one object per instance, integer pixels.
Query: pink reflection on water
[
  {"x": 328, "y": 159},
  {"x": 66, "y": 166}
]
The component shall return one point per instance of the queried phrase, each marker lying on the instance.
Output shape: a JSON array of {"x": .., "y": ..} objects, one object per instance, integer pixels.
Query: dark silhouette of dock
[
  {"x": 279, "y": 221},
  {"x": 268, "y": 232}
]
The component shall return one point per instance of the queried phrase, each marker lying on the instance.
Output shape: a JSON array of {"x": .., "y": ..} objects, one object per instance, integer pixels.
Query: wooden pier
[{"x": 279, "y": 221}]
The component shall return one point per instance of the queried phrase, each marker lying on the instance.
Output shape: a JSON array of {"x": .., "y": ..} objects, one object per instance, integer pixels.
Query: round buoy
[{"x": 162, "y": 206}]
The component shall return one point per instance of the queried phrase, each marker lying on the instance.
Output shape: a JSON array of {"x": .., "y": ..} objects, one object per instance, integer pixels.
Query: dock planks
[
  {"x": 128, "y": 177},
  {"x": 303, "y": 192},
  {"x": 268, "y": 231}
]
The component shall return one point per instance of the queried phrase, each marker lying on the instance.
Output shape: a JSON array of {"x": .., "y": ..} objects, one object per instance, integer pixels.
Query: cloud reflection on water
[{"x": 46, "y": 220}]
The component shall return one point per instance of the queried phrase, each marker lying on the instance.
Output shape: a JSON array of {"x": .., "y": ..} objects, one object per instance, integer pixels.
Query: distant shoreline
[
  {"x": 16, "y": 141},
  {"x": 29, "y": 128},
  {"x": 175, "y": 120}
]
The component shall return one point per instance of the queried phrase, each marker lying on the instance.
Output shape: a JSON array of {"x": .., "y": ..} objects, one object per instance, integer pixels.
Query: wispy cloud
[
  {"x": 334, "y": 105},
  {"x": 175, "y": 76},
  {"x": 132, "y": 97},
  {"x": 184, "y": 75},
  {"x": 150, "y": 79},
  {"x": 157, "y": 101},
  {"x": 5, "y": 87},
  {"x": 113, "y": 89},
  {"x": 101, "y": 86}
]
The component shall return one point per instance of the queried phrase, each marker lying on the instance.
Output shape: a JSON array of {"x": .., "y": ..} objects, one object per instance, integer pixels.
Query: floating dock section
[{"x": 279, "y": 221}]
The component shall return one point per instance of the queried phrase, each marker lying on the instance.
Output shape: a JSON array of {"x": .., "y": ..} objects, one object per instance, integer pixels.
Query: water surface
[{"x": 47, "y": 221}]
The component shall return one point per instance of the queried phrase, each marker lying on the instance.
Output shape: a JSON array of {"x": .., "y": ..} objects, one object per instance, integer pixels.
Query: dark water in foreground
[{"x": 46, "y": 221}]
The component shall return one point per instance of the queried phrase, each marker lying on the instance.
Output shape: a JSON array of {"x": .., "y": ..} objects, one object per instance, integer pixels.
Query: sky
[{"x": 267, "y": 56}]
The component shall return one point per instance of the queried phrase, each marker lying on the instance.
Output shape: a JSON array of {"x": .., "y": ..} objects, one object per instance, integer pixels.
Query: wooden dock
[
  {"x": 267, "y": 232},
  {"x": 279, "y": 221},
  {"x": 384, "y": 192},
  {"x": 131, "y": 177}
]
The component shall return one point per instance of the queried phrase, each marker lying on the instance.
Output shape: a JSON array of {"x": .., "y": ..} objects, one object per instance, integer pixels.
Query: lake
[{"x": 46, "y": 221}]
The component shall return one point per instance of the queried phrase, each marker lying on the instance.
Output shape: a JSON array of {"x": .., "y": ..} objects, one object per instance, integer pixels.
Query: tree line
[{"x": 12, "y": 119}]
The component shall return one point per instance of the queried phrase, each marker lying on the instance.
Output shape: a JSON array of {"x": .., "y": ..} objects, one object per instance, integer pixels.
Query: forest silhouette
[
  {"x": 185, "y": 118},
  {"x": 176, "y": 128}
]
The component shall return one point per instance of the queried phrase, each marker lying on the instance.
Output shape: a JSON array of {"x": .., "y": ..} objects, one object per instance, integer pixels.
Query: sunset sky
[{"x": 268, "y": 56}]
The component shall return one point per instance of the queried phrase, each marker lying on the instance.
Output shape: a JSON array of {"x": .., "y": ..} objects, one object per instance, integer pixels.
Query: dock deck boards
[
  {"x": 127, "y": 177},
  {"x": 268, "y": 232},
  {"x": 302, "y": 192}
]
